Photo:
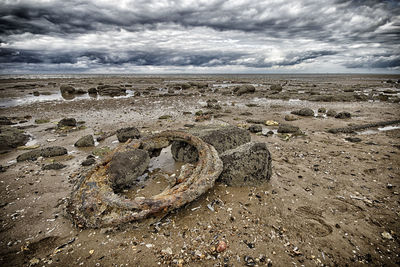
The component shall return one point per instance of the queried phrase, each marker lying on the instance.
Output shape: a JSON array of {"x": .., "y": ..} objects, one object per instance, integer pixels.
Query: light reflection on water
[{"x": 30, "y": 99}]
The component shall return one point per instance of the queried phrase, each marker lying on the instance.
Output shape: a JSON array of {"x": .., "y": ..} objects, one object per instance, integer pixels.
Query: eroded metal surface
[{"x": 94, "y": 204}]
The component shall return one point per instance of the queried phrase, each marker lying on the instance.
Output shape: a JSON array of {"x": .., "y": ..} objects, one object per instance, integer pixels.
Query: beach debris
[
  {"x": 94, "y": 204},
  {"x": 271, "y": 123},
  {"x": 386, "y": 235}
]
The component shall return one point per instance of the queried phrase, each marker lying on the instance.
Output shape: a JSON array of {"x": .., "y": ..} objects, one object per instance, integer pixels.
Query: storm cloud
[{"x": 199, "y": 36}]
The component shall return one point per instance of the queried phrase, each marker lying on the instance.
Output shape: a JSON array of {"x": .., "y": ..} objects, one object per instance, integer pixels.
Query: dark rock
[
  {"x": 36, "y": 93},
  {"x": 5, "y": 121},
  {"x": 165, "y": 117},
  {"x": 306, "y": 112},
  {"x": 322, "y": 110},
  {"x": 3, "y": 168},
  {"x": 331, "y": 113},
  {"x": 124, "y": 134},
  {"x": 88, "y": 162},
  {"x": 276, "y": 88},
  {"x": 255, "y": 128},
  {"x": 255, "y": 121},
  {"x": 92, "y": 91},
  {"x": 44, "y": 152},
  {"x": 126, "y": 167},
  {"x": 290, "y": 117},
  {"x": 53, "y": 151},
  {"x": 199, "y": 84},
  {"x": 11, "y": 138},
  {"x": 80, "y": 92},
  {"x": 221, "y": 137},
  {"x": 244, "y": 89},
  {"x": 353, "y": 139},
  {"x": 85, "y": 141},
  {"x": 67, "y": 122},
  {"x": 67, "y": 89},
  {"x": 343, "y": 115},
  {"x": 287, "y": 128},
  {"x": 248, "y": 164},
  {"x": 110, "y": 90},
  {"x": 213, "y": 104},
  {"x": 54, "y": 166}
]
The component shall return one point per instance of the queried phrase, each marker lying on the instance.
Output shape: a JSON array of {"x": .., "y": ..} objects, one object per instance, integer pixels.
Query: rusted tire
[{"x": 94, "y": 204}]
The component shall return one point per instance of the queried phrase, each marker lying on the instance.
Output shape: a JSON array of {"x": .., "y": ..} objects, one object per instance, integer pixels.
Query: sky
[{"x": 199, "y": 36}]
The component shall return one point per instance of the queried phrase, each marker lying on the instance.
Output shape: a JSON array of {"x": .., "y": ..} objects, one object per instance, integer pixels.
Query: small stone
[
  {"x": 290, "y": 117},
  {"x": 67, "y": 122},
  {"x": 343, "y": 115},
  {"x": 255, "y": 128},
  {"x": 85, "y": 141},
  {"x": 88, "y": 162},
  {"x": 54, "y": 166},
  {"x": 353, "y": 139},
  {"x": 389, "y": 186},
  {"x": 322, "y": 110},
  {"x": 287, "y": 128},
  {"x": 165, "y": 117},
  {"x": 221, "y": 247},
  {"x": 306, "y": 112},
  {"x": 331, "y": 113},
  {"x": 168, "y": 251}
]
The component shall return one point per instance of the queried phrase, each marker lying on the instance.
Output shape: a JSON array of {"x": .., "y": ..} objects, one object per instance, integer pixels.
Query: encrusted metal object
[{"x": 94, "y": 204}]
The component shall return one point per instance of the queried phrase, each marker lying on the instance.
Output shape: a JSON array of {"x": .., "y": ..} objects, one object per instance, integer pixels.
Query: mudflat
[{"x": 332, "y": 199}]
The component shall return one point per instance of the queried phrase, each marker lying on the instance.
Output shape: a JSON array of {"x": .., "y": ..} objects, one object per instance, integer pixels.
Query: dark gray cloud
[{"x": 254, "y": 34}]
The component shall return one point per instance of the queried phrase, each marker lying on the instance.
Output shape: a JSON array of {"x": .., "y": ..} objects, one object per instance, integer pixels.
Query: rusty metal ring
[{"x": 94, "y": 204}]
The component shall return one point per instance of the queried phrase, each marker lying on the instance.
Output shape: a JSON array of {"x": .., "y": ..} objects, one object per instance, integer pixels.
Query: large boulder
[
  {"x": 85, "y": 141},
  {"x": 221, "y": 137},
  {"x": 248, "y": 164},
  {"x": 306, "y": 112},
  {"x": 110, "y": 90},
  {"x": 67, "y": 89},
  {"x": 244, "y": 89},
  {"x": 126, "y": 167},
  {"x": 124, "y": 134},
  {"x": 47, "y": 152},
  {"x": 11, "y": 138}
]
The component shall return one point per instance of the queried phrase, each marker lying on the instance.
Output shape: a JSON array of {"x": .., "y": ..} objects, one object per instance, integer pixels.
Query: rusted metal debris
[{"x": 93, "y": 203}]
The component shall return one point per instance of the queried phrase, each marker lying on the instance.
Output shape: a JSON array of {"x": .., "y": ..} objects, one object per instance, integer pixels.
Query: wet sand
[{"x": 329, "y": 201}]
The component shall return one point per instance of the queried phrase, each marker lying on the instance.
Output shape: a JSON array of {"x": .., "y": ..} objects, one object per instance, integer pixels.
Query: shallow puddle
[
  {"x": 161, "y": 173},
  {"x": 30, "y": 99}
]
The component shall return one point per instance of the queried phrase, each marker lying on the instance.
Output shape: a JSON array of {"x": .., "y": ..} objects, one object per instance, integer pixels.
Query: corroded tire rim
[{"x": 94, "y": 204}]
